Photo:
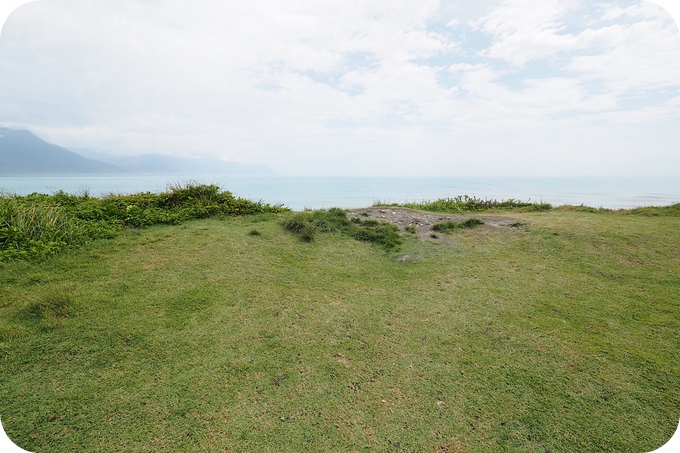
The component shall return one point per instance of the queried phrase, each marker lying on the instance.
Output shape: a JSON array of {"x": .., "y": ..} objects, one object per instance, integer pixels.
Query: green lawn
[{"x": 557, "y": 335}]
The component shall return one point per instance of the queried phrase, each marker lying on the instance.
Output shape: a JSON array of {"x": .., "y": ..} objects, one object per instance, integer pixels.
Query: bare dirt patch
[{"x": 419, "y": 223}]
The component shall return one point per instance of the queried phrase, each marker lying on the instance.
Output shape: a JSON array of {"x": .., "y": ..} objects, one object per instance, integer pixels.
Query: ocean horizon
[{"x": 318, "y": 192}]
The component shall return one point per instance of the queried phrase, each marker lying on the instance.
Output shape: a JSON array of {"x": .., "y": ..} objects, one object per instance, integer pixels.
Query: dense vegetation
[
  {"x": 226, "y": 333},
  {"x": 465, "y": 203},
  {"x": 39, "y": 225}
]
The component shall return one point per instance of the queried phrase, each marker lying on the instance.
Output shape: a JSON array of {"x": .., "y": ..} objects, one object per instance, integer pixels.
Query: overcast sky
[{"x": 385, "y": 87}]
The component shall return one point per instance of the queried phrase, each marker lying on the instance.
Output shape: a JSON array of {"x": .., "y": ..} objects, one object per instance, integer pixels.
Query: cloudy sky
[{"x": 384, "y": 87}]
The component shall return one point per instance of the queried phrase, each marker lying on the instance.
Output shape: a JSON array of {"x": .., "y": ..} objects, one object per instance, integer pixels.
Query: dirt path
[{"x": 422, "y": 221}]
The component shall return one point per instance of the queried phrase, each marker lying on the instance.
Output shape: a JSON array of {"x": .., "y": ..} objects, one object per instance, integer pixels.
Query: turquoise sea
[{"x": 299, "y": 193}]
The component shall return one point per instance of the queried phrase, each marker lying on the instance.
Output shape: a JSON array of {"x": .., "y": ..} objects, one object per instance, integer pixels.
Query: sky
[{"x": 371, "y": 87}]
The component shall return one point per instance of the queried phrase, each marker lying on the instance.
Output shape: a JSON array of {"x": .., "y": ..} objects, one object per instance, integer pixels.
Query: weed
[
  {"x": 410, "y": 229},
  {"x": 254, "y": 233}
]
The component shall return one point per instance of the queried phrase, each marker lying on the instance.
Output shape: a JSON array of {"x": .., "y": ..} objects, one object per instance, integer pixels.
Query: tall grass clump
[
  {"x": 465, "y": 203},
  {"x": 29, "y": 229},
  {"x": 307, "y": 223},
  {"x": 53, "y": 302}
]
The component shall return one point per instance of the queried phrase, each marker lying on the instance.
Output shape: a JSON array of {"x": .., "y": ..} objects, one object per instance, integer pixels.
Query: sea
[{"x": 317, "y": 192}]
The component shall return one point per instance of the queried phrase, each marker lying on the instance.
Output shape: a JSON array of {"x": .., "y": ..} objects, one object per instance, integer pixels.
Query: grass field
[{"x": 558, "y": 334}]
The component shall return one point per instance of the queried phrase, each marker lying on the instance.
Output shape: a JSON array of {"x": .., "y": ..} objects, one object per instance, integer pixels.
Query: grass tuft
[
  {"x": 53, "y": 301},
  {"x": 450, "y": 227}
]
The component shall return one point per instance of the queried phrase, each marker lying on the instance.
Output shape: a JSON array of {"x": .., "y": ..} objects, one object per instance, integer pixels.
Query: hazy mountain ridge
[
  {"x": 176, "y": 165},
  {"x": 23, "y": 153}
]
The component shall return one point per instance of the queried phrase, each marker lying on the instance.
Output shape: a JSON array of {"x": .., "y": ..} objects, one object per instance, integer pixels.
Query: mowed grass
[{"x": 558, "y": 335}]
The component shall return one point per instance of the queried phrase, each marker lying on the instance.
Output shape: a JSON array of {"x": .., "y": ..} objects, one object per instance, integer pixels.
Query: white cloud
[
  {"x": 308, "y": 86},
  {"x": 525, "y": 29},
  {"x": 644, "y": 55}
]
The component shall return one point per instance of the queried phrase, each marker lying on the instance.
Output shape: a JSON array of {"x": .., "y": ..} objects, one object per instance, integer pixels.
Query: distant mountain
[
  {"x": 22, "y": 153},
  {"x": 173, "y": 165}
]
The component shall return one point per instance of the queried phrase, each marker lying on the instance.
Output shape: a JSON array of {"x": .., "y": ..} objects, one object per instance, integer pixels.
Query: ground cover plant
[
  {"x": 556, "y": 335},
  {"x": 39, "y": 225}
]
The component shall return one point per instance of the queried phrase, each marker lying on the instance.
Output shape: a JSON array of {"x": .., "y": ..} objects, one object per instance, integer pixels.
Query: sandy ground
[{"x": 423, "y": 221}]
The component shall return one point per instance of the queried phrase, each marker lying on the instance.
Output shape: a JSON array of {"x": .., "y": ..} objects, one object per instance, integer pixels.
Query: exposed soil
[{"x": 407, "y": 219}]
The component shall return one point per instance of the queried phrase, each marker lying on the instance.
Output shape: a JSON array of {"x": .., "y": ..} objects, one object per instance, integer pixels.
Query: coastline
[{"x": 317, "y": 192}]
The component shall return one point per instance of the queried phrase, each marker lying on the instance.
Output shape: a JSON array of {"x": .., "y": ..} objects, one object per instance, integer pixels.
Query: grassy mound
[{"x": 557, "y": 336}]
